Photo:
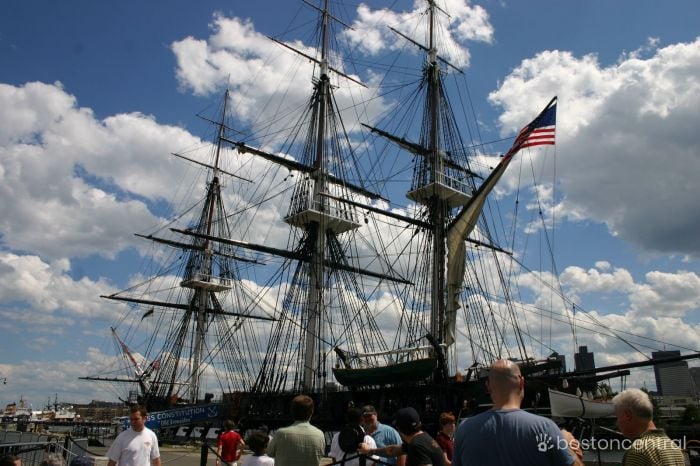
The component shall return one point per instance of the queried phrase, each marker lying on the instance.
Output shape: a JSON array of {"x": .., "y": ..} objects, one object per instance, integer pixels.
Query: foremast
[
  {"x": 209, "y": 273},
  {"x": 199, "y": 269}
]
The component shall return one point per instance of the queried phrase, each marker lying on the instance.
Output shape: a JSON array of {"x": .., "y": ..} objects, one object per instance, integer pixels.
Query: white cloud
[
  {"x": 267, "y": 81},
  {"x": 626, "y": 134},
  {"x": 74, "y": 179},
  {"x": 48, "y": 289},
  {"x": 667, "y": 294},
  {"x": 22, "y": 378},
  {"x": 466, "y": 22},
  {"x": 662, "y": 294},
  {"x": 593, "y": 281}
]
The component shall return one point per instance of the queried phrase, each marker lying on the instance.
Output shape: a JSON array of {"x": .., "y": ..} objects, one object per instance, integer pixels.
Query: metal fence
[{"x": 32, "y": 448}]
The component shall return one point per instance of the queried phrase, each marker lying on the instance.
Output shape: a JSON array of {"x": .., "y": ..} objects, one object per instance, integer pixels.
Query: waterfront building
[
  {"x": 672, "y": 378},
  {"x": 583, "y": 360}
]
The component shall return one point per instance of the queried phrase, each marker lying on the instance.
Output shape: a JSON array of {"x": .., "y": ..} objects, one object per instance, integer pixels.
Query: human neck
[
  {"x": 647, "y": 427},
  {"x": 508, "y": 402},
  {"x": 408, "y": 438}
]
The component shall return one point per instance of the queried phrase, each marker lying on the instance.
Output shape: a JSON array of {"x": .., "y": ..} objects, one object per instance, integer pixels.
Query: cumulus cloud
[
  {"x": 668, "y": 294},
  {"x": 79, "y": 181},
  {"x": 661, "y": 294},
  {"x": 267, "y": 81},
  {"x": 48, "y": 289},
  {"x": 647, "y": 315},
  {"x": 22, "y": 378},
  {"x": 466, "y": 22},
  {"x": 594, "y": 281},
  {"x": 627, "y": 148}
]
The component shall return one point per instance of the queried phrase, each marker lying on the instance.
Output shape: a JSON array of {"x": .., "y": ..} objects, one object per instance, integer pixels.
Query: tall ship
[{"x": 353, "y": 254}]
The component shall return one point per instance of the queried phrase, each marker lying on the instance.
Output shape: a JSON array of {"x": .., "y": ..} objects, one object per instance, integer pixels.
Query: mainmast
[
  {"x": 442, "y": 181},
  {"x": 317, "y": 264},
  {"x": 438, "y": 208}
]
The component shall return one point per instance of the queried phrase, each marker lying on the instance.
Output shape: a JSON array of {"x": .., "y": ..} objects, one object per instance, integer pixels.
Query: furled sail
[{"x": 539, "y": 132}]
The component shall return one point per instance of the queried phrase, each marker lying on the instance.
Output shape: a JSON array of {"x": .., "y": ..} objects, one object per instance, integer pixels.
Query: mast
[
  {"x": 437, "y": 206},
  {"x": 201, "y": 294},
  {"x": 442, "y": 182},
  {"x": 317, "y": 265}
]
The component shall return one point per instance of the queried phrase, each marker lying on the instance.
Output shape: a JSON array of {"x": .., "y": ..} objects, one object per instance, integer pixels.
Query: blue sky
[{"x": 627, "y": 74}]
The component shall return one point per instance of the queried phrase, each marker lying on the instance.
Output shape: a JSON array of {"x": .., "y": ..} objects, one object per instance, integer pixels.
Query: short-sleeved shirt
[
  {"x": 384, "y": 436},
  {"x": 423, "y": 450},
  {"x": 262, "y": 460},
  {"x": 298, "y": 444},
  {"x": 510, "y": 437},
  {"x": 228, "y": 441},
  {"x": 132, "y": 448},
  {"x": 446, "y": 443},
  {"x": 338, "y": 453},
  {"x": 653, "y": 448}
]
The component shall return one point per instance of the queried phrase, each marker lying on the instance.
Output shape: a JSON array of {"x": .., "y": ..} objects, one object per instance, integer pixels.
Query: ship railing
[
  {"x": 213, "y": 279},
  {"x": 454, "y": 183},
  {"x": 33, "y": 448},
  {"x": 328, "y": 207},
  {"x": 205, "y": 281}
]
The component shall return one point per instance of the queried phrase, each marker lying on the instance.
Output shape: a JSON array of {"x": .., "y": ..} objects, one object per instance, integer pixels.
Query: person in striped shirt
[{"x": 651, "y": 446}]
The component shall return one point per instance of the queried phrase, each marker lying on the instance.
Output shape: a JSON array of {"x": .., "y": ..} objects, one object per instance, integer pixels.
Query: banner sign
[{"x": 180, "y": 416}]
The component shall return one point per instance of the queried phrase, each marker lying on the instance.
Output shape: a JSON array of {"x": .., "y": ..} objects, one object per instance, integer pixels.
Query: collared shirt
[
  {"x": 386, "y": 435},
  {"x": 653, "y": 448},
  {"x": 300, "y": 444},
  {"x": 446, "y": 443}
]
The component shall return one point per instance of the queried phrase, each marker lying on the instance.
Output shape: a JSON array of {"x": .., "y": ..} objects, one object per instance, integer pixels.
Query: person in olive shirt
[
  {"x": 301, "y": 443},
  {"x": 651, "y": 446},
  {"x": 419, "y": 447}
]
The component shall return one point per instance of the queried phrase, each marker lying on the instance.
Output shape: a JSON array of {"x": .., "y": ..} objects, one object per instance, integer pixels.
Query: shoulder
[
  {"x": 527, "y": 418},
  {"x": 636, "y": 456},
  {"x": 475, "y": 421},
  {"x": 316, "y": 430},
  {"x": 388, "y": 430},
  {"x": 477, "y": 418}
]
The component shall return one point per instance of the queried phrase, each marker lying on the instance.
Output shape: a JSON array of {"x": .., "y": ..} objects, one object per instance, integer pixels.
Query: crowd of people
[{"x": 504, "y": 435}]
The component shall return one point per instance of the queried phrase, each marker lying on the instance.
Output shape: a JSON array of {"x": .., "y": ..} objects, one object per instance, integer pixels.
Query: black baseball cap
[
  {"x": 368, "y": 409},
  {"x": 407, "y": 420}
]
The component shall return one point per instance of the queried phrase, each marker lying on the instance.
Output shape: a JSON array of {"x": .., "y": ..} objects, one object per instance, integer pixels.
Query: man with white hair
[{"x": 651, "y": 446}]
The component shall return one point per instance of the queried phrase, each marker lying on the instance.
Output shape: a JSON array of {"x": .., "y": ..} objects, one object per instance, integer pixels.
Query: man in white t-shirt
[{"x": 137, "y": 446}]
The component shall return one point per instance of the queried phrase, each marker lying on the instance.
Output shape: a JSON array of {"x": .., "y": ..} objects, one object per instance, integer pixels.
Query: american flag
[{"x": 540, "y": 131}]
